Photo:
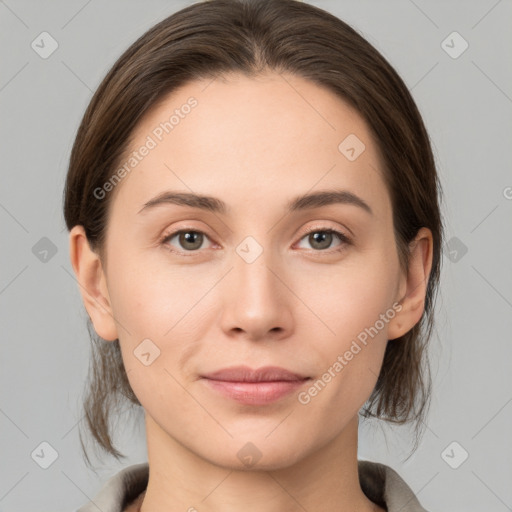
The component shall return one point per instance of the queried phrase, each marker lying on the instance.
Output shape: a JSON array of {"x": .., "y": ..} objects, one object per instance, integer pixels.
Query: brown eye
[
  {"x": 321, "y": 239},
  {"x": 188, "y": 240}
]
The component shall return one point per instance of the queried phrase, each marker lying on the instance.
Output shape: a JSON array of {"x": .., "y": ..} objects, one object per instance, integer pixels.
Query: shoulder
[
  {"x": 384, "y": 486},
  {"x": 119, "y": 490}
]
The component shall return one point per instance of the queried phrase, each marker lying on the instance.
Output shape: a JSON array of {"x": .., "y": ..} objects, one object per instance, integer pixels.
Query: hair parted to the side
[{"x": 207, "y": 40}]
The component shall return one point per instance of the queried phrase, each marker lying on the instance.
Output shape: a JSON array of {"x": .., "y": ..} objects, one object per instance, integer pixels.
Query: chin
[{"x": 258, "y": 454}]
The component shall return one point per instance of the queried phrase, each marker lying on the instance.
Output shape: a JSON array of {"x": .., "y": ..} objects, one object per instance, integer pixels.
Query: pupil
[
  {"x": 188, "y": 238},
  {"x": 321, "y": 236}
]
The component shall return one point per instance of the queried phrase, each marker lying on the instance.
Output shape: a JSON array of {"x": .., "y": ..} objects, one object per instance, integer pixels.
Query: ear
[
  {"x": 93, "y": 287},
  {"x": 413, "y": 286}
]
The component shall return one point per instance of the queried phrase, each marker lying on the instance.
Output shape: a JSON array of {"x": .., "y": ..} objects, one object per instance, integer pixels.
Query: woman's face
[{"x": 249, "y": 284}]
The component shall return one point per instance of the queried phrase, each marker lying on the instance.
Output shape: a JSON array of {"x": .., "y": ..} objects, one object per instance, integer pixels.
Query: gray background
[{"x": 466, "y": 103}]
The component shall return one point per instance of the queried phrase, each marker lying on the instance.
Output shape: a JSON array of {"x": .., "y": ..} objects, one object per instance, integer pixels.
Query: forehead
[{"x": 252, "y": 138}]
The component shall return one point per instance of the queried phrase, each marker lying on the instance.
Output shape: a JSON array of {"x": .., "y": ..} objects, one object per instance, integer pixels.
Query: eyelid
[{"x": 325, "y": 228}]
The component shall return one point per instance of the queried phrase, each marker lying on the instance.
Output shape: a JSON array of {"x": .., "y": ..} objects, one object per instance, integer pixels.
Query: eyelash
[{"x": 345, "y": 240}]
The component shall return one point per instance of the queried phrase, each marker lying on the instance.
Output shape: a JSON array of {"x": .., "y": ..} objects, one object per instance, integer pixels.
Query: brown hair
[{"x": 206, "y": 40}]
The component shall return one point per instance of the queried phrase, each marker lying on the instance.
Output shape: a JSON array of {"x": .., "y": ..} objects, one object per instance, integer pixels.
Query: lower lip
[{"x": 255, "y": 393}]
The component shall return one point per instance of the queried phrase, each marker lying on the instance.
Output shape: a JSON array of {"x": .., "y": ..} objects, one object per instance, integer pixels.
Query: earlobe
[
  {"x": 415, "y": 284},
  {"x": 92, "y": 284}
]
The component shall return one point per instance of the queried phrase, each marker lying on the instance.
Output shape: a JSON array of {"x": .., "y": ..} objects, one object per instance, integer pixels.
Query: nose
[{"x": 256, "y": 299}]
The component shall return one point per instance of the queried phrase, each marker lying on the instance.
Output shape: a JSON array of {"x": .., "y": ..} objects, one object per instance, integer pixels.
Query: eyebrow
[{"x": 215, "y": 205}]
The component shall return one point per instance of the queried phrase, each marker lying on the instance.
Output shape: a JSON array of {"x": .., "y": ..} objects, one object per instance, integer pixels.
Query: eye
[
  {"x": 190, "y": 240},
  {"x": 321, "y": 238}
]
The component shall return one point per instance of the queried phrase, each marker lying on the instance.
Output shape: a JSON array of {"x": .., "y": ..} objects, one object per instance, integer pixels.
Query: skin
[{"x": 255, "y": 143}]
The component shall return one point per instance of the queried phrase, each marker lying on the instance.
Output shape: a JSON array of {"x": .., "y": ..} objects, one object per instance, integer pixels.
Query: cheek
[
  {"x": 150, "y": 296},
  {"x": 153, "y": 317},
  {"x": 162, "y": 306},
  {"x": 355, "y": 298},
  {"x": 350, "y": 359},
  {"x": 356, "y": 305}
]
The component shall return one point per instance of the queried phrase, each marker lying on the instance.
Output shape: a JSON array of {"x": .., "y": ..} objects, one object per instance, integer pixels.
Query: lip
[
  {"x": 247, "y": 374},
  {"x": 254, "y": 387}
]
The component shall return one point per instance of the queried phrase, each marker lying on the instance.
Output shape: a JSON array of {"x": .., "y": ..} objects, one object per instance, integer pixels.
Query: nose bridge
[{"x": 252, "y": 266}]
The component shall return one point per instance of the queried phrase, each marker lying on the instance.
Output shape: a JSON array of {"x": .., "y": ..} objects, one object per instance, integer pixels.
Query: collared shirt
[{"x": 379, "y": 482}]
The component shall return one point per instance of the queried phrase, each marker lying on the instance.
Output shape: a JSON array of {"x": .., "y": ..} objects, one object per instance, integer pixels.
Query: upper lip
[{"x": 247, "y": 374}]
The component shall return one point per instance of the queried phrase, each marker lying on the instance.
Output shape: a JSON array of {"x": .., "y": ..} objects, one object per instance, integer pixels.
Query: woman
[{"x": 254, "y": 223}]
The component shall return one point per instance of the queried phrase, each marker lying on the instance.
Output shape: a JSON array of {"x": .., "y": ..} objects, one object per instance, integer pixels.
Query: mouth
[
  {"x": 247, "y": 374},
  {"x": 254, "y": 387}
]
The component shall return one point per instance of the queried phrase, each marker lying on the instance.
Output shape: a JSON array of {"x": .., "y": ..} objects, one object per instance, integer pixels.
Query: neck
[{"x": 324, "y": 481}]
